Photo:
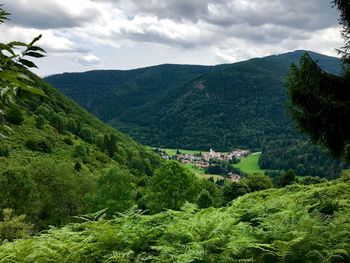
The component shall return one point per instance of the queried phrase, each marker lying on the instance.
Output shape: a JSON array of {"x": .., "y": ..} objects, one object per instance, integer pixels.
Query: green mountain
[
  {"x": 53, "y": 152},
  {"x": 193, "y": 107},
  {"x": 293, "y": 224}
]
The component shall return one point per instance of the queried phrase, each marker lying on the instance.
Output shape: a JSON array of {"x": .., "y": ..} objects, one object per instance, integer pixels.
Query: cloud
[
  {"x": 88, "y": 60},
  {"x": 45, "y": 14},
  {"x": 204, "y": 30}
]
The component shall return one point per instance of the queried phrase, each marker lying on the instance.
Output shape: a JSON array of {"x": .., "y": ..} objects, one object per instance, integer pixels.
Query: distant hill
[{"x": 195, "y": 107}]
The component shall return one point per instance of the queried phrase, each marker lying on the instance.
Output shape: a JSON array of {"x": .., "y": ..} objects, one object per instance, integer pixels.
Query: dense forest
[{"x": 240, "y": 105}]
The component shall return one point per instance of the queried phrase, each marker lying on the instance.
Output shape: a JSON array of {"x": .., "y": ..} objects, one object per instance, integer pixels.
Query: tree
[
  {"x": 319, "y": 101},
  {"x": 171, "y": 186},
  {"x": 257, "y": 182},
  {"x": 204, "y": 199},
  {"x": 110, "y": 144},
  {"x": 287, "y": 178},
  {"x": 344, "y": 8},
  {"x": 115, "y": 190}
]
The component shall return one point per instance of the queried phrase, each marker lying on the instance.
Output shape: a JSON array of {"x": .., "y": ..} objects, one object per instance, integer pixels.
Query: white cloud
[
  {"x": 204, "y": 30},
  {"x": 87, "y": 60}
]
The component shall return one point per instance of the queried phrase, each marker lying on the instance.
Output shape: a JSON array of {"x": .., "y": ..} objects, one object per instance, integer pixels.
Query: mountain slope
[
  {"x": 239, "y": 105},
  {"x": 109, "y": 93},
  {"x": 54, "y": 154}
]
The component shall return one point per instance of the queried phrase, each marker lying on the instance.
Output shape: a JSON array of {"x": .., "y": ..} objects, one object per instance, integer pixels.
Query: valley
[{"x": 174, "y": 163}]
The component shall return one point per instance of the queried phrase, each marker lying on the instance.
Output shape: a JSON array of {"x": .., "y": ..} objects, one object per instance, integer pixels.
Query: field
[
  {"x": 200, "y": 173},
  {"x": 250, "y": 164},
  {"x": 172, "y": 152}
]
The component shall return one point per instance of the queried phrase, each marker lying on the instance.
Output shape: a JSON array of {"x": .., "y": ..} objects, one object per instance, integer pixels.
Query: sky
[{"x": 81, "y": 35}]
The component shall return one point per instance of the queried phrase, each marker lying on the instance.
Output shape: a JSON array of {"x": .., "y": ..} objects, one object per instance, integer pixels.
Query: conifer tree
[{"x": 320, "y": 102}]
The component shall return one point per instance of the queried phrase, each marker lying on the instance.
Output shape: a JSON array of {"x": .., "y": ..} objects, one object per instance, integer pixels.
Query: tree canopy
[{"x": 320, "y": 102}]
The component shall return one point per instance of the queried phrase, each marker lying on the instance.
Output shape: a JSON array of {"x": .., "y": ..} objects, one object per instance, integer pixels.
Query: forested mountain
[
  {"x": 52, "y": 154},
  {"x": 109, "y": 93},
  {"x": 193, "y": 107}
]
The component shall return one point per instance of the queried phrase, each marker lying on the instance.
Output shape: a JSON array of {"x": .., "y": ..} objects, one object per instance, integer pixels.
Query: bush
[
  {"x": 13, "y": 227},
  {"x": 39, "y": 144},
  {"x": 68, "y": 141},
  {"x": 39, "y": 122},
  {"x": 14, "y": 115},
  {"x": 4, "y": 151}
]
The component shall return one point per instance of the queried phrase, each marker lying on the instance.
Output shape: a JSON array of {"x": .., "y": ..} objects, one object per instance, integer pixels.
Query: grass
[
  {"x": 250, "y": 164},
  {"x": 200, "y": 172},
  {"x": 172, "y": 152}
]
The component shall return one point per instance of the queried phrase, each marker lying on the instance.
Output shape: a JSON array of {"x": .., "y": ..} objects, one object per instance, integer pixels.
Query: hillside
[
  {"x": 239, "y": 105},
  {"x": 293, "y": 224},
  {"x": 109, "y": 93},
  {"x": 54, "y": 153}
]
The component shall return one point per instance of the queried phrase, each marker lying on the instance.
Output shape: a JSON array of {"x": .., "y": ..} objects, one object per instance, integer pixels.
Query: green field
[
  {"x": 200, "y": 172},
  {"x": 250, "y": 164},
  {"x": 172, "y": 152}
]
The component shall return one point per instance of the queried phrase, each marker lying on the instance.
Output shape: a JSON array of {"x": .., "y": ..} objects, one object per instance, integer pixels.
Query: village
[{"x": 207, "y": 159}]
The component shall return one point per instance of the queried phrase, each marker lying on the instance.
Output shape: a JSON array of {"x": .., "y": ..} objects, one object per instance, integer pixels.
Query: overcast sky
[{"x": 81, "y": 35}]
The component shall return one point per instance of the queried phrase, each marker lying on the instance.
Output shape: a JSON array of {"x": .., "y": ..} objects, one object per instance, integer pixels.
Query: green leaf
[
  {"x": 35, "y": 40},
  {"x": 36, "y": 48},
  {"x": 27, "y": 63},
  {"x": 34, "y": 54},
  {"x": 17, "y": 44}
]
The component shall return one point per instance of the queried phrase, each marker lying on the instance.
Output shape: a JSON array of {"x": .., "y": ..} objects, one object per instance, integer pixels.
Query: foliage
[
  {"x": 36, "y": 143},
  {"x": 277, "y": 225},
  {"x": 313, "y": 98},
  {"x": 14, "y": 115},
  {"x": 115, "y": 190},
  {"x": 171, "y": 186},
  {"x": 257, "y": 182},
  {"x": 204, "y": 199},
  {"x": 13, "y": 227},
  {"x": 286, "y": 178},
  {"x": 4, "y": 151},
  {"x": 344, "y": 8},
  {"x": 193, "y": 107},
  {"x": 233, "y": 190},
  {"x": 303, "y": 157}
]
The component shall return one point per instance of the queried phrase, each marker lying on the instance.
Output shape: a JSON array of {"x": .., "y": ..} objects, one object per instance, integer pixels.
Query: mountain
[
  {"x": 194, "y": 107},
  {"x": 220, "y": 107},
  {"x": 109, "y": 93},
  {"x": 53, "y": 152}
]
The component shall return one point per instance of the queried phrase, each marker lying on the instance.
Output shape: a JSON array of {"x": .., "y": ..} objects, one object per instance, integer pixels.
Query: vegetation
[
  {"x": 301, "y": 156},
  {"x": 292, "y": 224},
  {"x": 191, "y": 107},
  {"x": 250, "y": 164},
  {"x": 319, "y": 101}
]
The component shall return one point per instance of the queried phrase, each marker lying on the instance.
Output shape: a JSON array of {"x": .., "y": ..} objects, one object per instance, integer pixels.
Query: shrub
[
  {"x": 68, "y": 141},
  {"x": 39, "y": 122},
  {"x": 14, "y": 115},
  {"x": 39, "y": 144},
  {"x": 13, "y": 227},
  {"x": 4, "y": 151}
]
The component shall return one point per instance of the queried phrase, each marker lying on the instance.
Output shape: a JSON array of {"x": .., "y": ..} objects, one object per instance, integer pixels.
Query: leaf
[
  {"x": 27, "y": 63},
  {"x": 17, "y": 43},
  {"x": 7, "y": 48},
  {"x": 36, "y": 48},
  {"x": 35, "y": 40},
  {"x": 34, "y": 54}
]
